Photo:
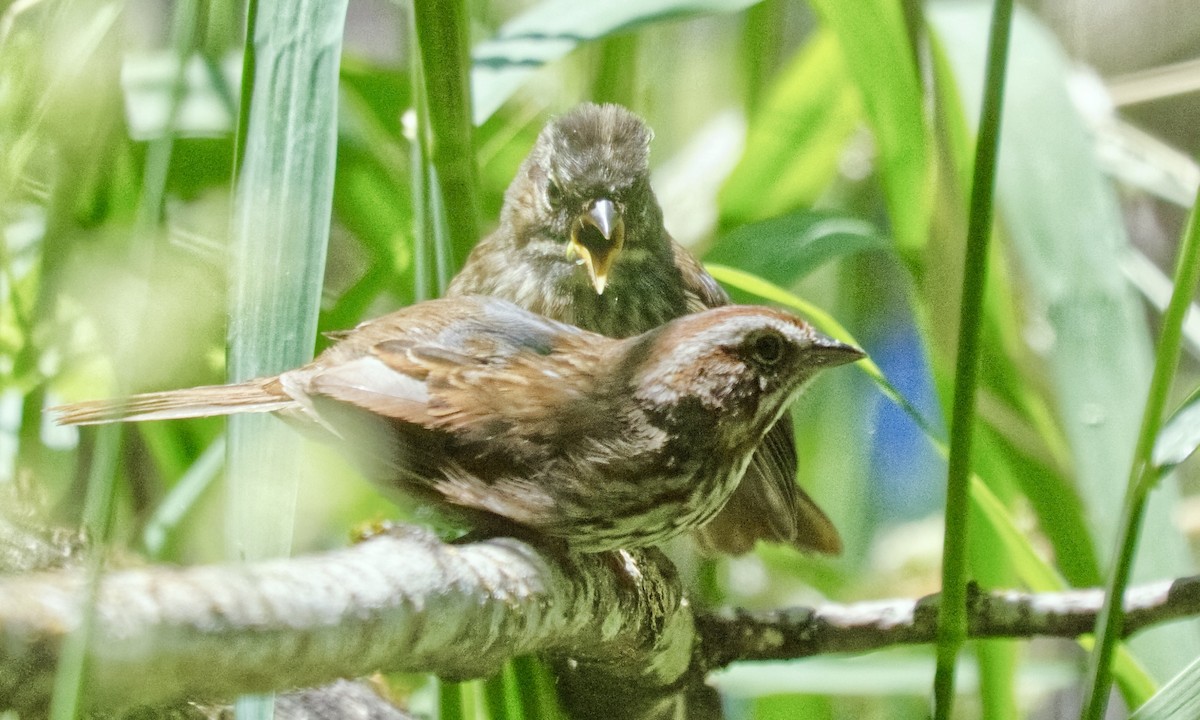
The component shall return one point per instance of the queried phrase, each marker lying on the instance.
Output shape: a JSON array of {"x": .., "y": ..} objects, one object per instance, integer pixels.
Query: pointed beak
[
  {"x": 597, "y": 236},
  {"x": 827, "y": 352}
]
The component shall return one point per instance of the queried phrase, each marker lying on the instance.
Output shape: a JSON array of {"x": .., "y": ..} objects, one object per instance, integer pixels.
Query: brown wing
[
  {"x": 768, "y": 504},
  {"x": 758, "y": 509},
  {"x": 494, "y": 367},
  {"x": 701, "y": 289},
  {"x": 466, "y": 417}
]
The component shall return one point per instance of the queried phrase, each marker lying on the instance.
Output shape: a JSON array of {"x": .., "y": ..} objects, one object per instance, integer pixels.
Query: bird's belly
[{"x": 660, "y": 516}]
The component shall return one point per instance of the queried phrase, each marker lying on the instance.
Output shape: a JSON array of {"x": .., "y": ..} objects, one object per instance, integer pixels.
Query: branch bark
[
  {"x": 734, "y": 635},
  {"x": 622, "y": 636},
  {"x": 402, "y": 601}
]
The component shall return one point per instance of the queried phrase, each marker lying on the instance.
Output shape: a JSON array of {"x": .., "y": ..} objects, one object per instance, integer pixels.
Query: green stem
[
  {"x": 952, "y": 616},
  {"x": 442, "y": 38},
  {"x": 1142, "y": 475},
  {"x": 424, "y": 281},
  {"x": 450, "y": 700}
]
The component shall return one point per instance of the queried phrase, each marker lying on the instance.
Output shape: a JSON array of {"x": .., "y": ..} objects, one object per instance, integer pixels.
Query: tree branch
[
  {"x": 830, "y": 628},
  {"x": 621, "y": 634},
  {"x": 402, "y": 601}
]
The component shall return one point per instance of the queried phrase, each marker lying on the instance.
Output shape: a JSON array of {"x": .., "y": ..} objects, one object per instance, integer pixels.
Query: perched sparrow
[
  {"x": 581, "y": 240},
  {"x": 508, "y": 417}
]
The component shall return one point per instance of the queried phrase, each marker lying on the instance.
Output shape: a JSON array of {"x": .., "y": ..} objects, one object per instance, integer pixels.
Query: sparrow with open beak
[
  {"x": 597, "y": 236},
  {"x": 581, "y": 240}
]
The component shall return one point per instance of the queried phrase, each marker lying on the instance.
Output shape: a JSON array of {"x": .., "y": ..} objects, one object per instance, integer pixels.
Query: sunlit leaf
[
  {"x": 874, "y": 41},
  {"x": 797, "y": 136},
  {"x": 551, "y": 29}
]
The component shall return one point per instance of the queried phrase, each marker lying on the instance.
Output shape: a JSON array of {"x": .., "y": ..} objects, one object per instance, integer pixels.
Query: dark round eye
[{"x": 766, "y": 347}]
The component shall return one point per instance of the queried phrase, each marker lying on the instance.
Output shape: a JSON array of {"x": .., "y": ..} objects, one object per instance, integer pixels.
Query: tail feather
[{"x": 204, "y": 401}]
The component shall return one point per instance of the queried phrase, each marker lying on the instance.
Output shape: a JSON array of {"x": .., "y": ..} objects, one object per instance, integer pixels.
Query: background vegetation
[{"x": 825, "y": 148}]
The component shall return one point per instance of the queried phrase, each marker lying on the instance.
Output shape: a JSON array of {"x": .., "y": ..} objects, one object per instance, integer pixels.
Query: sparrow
[
  {"x": 513, "y": 421},
  {"x": 581, "y": 240}
]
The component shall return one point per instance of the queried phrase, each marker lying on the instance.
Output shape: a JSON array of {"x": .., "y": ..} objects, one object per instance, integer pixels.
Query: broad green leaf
[
  {"x": 785, "y": 249},
  {"x": 282, "y": 204},
  {"x": 548, "y": 31},
  {"x": 280, "y": 231}
]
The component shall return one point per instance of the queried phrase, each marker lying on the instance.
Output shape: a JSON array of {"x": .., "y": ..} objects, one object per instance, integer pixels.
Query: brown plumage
[
  {"x": 581, "y": 240},
  {"x": 508, "y": 417}
]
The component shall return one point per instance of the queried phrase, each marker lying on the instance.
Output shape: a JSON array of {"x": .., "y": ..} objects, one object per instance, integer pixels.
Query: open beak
[{"x": 597, "y": 236}]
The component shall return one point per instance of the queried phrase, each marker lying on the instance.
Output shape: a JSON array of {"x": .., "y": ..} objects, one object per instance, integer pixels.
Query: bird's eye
[{"x": 766, "y": 347}]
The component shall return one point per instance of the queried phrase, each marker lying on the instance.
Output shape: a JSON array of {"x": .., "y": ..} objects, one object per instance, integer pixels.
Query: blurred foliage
[{"x": 814, "y": 146}]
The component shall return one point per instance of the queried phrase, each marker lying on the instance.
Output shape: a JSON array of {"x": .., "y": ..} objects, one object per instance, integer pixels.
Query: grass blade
[
  {"x": 282, "y": 202},
  {"x": 874, "y": 38},
  {"x": 952, "y": 615}
]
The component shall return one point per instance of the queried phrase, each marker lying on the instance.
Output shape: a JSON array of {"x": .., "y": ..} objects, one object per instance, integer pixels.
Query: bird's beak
[
  {"x": 597, "y": 236},
  {"x": 828, "y": 352}
]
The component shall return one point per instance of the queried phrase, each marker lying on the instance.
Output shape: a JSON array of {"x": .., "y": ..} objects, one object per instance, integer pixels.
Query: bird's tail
[{"x": 204, "y": 401}]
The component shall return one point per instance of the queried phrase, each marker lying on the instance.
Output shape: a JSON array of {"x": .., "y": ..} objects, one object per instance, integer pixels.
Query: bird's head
[
  {"x": 588, "y": 184},
  {"x": 743, "y": 363}
]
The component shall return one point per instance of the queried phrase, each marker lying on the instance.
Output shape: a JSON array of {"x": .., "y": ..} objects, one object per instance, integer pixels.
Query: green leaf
[
  {"x": 785, "y": 249},
  {"x": 550, "y": 30},
  {"x": 282, "y": 205},
  {"x": 875, "y": 45},
  {"x": 796, "y": 138},
  {"x": 1179, "y": 699},
  {"x": 1180, "y": 435}
]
